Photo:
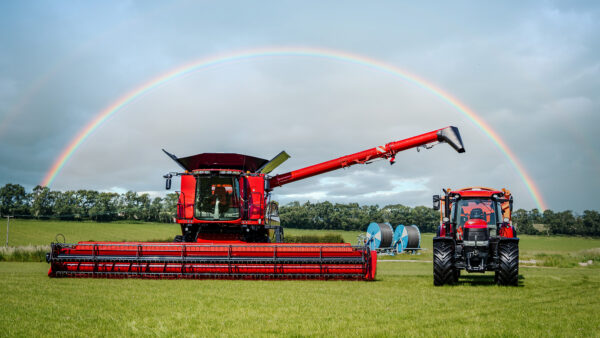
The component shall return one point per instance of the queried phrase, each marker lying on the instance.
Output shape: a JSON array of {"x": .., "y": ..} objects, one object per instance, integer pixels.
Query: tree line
[
  {"x": 327, "y": 215},
  {"x": 43, "y": 203}
]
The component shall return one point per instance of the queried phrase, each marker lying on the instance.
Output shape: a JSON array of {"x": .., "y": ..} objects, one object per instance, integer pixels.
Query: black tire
[
  {"x": 456, "y": 275},
  {"x": 443, "y": 263},
  {"x": 178, "y": 239},
  {"x": 507, "y": 272}
]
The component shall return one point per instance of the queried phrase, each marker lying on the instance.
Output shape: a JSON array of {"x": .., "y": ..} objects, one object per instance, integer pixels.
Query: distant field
[{"x": 32, "y": 232}]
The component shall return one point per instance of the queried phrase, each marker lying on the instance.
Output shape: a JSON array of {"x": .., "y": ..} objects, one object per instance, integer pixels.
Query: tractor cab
[
  {"x": 471, "y": 208},
  {"x": 475, "y": 213}
]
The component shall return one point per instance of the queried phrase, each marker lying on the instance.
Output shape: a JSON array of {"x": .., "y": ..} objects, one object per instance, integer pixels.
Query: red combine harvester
[
  {"x": 225, "y": 213},
  {"x": 475, "y": 235}
]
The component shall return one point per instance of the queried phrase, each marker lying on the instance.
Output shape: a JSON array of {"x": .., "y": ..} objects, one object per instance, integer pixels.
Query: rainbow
[{"x": 289, "y": 52}]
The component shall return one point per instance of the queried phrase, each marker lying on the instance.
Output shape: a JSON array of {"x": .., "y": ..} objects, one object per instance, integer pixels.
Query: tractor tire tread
[
  {"x": 508, "y": 264},
  {"x": 443, "y": 263}
]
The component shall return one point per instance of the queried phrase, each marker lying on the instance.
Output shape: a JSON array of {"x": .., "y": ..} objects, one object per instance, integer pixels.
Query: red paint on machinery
[{"x": 227, "y": 223}]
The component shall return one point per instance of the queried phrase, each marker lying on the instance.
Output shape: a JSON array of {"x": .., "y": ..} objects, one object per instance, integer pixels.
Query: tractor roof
[
  {"x": 477, "y": 193},
  {"x": 220, "y": 161}
]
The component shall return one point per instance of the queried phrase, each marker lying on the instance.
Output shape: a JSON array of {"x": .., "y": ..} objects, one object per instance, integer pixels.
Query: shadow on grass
[{"x": 483, "y": 280}]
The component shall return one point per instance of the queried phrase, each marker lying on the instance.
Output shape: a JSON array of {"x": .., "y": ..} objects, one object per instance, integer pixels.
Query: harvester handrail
[{"x": 181, "y": 206}]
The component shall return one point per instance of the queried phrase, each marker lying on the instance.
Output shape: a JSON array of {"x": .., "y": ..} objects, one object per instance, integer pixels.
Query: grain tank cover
[{"x": 219, "y": 161}]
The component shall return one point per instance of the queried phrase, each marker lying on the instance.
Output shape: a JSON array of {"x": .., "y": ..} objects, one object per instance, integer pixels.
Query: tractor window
[
  {"x": 474, "y": 208},
  {"x": 217, "y": 198}
]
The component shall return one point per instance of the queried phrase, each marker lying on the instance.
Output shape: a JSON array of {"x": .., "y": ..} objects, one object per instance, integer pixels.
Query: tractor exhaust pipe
[{"x": 451, "y": 135}]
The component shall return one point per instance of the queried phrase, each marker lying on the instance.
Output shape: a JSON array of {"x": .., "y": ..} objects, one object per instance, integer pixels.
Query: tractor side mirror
[
  {"x": 510, "y": 204},
  {"x": 436, "y": 202},
  {"x": 168, "y": 181}
]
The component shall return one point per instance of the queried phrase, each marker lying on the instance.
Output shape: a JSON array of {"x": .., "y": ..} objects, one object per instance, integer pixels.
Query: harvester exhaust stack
[{"x": 227, "y": 221}]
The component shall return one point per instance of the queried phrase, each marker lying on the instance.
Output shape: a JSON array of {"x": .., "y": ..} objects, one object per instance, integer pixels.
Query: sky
[{"x": 529, "y": 70}]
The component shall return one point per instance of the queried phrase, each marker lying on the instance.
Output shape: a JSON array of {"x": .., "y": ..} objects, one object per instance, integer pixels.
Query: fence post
[{"x": 7, "y": 224}]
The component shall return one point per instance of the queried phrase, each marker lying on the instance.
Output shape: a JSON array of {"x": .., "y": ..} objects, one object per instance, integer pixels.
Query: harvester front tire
[
  {"x": 443, "y": 263},
  {"x": 508, "y": 264}
]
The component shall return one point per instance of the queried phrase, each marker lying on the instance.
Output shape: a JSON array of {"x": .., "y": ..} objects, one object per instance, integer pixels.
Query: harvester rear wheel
[
  {"x": 507, "y": 272},
  {"x": 443, "y": 263}
]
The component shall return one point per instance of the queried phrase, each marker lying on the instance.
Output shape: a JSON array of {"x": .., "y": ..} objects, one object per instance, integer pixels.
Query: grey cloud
[{"x": 531, "y": 71}]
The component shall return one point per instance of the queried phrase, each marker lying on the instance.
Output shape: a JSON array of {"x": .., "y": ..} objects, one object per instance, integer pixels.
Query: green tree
[
  {"x": 105, "y": 208},
  {"x": 13, "y": 200},
  {"x": 522, "y": 220},
  {"x": 42, "y": 202},
  {"x": 590, "y": 223}
]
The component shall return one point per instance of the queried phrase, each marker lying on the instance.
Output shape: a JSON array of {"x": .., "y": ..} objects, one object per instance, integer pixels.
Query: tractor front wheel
[
  {"x": 456, "y": 275},
  {"x": 443, "y": 263},
  {"x": 507, "y": 272}
]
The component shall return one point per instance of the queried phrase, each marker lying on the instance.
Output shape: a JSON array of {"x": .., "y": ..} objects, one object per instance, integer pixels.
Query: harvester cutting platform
[{"x": 225, "y": 213}]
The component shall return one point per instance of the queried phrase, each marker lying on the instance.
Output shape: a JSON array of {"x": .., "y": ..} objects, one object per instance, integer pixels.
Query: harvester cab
[
  {"x": 224, "y": 197},
  {"x": 476, "y": 235},
  {"x": 225, "y": 214}
]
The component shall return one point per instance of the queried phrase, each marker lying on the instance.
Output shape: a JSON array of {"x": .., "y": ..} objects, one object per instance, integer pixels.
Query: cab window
[{"x": 217, "y": 198}]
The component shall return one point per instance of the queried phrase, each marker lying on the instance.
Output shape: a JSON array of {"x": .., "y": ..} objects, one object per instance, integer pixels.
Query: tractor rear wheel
[
  {"x": 507, "y": 272},
  {"x": 443, "y": 263}
]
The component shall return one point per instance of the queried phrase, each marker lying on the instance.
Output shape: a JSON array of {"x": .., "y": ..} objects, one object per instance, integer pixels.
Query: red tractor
[
  {"x": 475, "y": 235},
  {"x": 225, "y": 213}
]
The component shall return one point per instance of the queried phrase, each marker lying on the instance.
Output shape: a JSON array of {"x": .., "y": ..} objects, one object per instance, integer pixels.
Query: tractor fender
[
  {"x": 507, "y": 231},
  {"x": 444, "y": 239},
  {"x": 505, "y": 240},
  {"x": 441, "y": 230}
]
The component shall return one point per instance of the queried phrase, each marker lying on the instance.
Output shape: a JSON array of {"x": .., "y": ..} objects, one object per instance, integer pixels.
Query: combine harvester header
[{"x": 226, "y": 218}]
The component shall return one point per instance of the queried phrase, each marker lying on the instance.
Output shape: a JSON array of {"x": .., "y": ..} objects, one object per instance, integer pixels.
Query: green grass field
[
  {"x": 32, "y": 232},
  {"x": 402, "y": 301},
  {"x": 552, "y": 301}
]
